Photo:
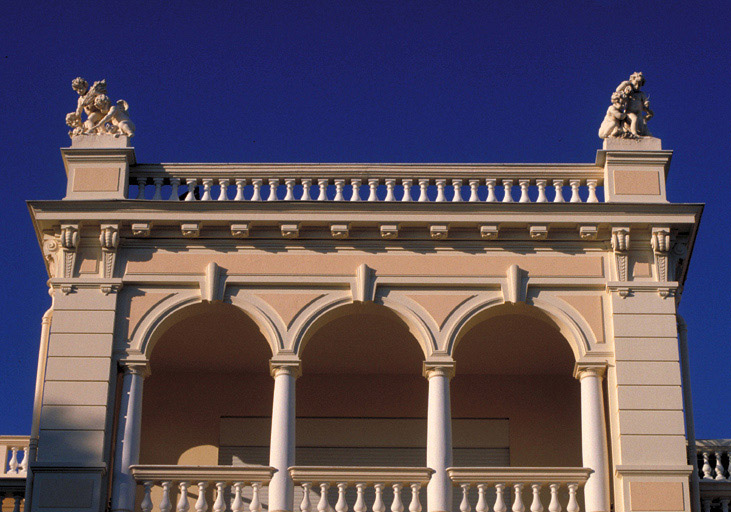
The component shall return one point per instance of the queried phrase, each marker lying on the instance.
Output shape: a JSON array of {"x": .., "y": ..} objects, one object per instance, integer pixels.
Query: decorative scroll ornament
[
  {"x": 620, "y": 246},
  {"x": 629, "y": 112},
  {"x": 660, "y": 242},
  {"x": 109, "y": 240},
  {"x": 102, "y": 117},
  {"x": 69, "y": 242}
]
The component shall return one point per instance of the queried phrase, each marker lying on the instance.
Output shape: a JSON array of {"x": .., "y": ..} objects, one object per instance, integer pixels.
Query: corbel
[
  {"x": 340, "y": 230},
  {"x": 290, "y": 230},
  {"x": 620, "y": 246},
  {"x": 69, "y": 243},
  {"x": 109, "y": 241},
  {"x": 52, "y": 253},
  {"x": 191, "y": 229},
  {"x": 660, "y": 241},
  {"x": 439, "y": 231},
  {"x": 141, "y": 229},
  {"x": 489, "y": 231},
  {"x": 588, "y": 232},
  {"x": 240, "y": 230},
  {"x": 538, "y": 232},
  {"x": 389, "y": 231}
]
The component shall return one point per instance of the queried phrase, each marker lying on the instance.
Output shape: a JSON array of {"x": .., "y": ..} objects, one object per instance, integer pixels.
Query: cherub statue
[
  {"x": 85, "y": 103},
  {"x": 114, "y": 115},
  {"x": 612, "y": 126},
  {"x": 73, "y": 120},
  {"x": 637, "y": 104}
]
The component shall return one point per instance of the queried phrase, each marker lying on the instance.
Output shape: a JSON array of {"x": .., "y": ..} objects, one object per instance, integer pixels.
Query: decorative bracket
[
  {"x": 588, "y": 232},
  {"x": 290, "y": 230},
  {"x": 191, "y": 229},
  {"x": 364, "y": 286},
  {"x": 389, "y": 231},
  {"x": 538, "y": 232},
  {"x": 69, "y": 244},
  {"x": 489, "y": 231},
  {"x": 211, "y": 289},
  {"x": 660, "y": 242},
  {"x": 340, "y": 230},
  {"x": 109, "y": 241},
  {"x": 141, "y": 229},
  {"x": 240, "y": 230},
  {"x": 516, "y": 287},
  {"x": 439, "y": 231},
  {"x": 620, "y": 246}
]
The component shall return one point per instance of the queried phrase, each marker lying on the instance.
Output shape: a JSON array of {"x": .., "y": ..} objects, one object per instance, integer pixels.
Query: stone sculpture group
[
  {"x": 629, "y": 112},
  {"x": 102, "y": 117}
]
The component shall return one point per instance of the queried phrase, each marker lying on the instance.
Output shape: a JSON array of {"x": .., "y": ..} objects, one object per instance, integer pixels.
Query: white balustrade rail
[
  {"x": 506, "y": 487},
  {"x": 373, "y": 487},
  {"x": 713, "y": 459},
  {"x": 14, "y": 456},
  {"x": 361, "y": 182},
  {"x": 209, "y": 486}
]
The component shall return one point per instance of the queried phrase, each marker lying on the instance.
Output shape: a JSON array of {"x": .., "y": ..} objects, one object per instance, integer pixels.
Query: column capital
[
  {"x": 135, "y": 367},
  {"x": 285, "y": 364},
  {"x": 441, "y": 368},
  {"x": 589, "y": 369}
]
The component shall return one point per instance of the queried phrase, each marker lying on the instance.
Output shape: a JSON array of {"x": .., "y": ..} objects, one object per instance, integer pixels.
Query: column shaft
[
  {"x": 594, "y": 441},
  {"x": 439, "y": 440},
  {"x": 281, "y": 447}
]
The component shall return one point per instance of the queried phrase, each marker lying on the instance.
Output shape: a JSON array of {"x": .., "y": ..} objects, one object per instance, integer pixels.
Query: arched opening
[
  {"x": 515, "y": 371},
  {"x": 361, "y": 399},
  {"x": 209, "y": 369}
]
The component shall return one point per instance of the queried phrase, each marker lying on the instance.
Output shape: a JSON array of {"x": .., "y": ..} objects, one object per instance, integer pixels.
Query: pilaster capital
[
  {"x": 135, "y": 367},
  {"x": 589, "y": 369},
  {"x": 285, "y": 364},
  {"x": 439, "y": 368}
]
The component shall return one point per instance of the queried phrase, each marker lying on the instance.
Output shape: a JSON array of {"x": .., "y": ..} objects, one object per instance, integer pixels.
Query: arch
[
  {"x": 574, "y": 328},
  {"x": 171, "y": 310},
  {"x": 326, "y": 309}
]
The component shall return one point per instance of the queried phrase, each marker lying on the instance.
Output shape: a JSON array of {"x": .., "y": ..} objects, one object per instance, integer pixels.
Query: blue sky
[{"x": 398, "y": 81}]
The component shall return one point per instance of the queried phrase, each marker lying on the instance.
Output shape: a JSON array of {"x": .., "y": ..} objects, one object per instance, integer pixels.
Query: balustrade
[
  {"x": 361, "y": 488},
  {"x": 498, "y": 489},
  {"x": 223, "y": 488},
  {"x": 14, "y": 456},
  {"x": 214, "y": 182},
  {"x": 714, "y": 457}
]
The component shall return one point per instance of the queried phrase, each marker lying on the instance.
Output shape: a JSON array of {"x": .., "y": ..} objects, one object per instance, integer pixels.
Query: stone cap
[{"x": 641, "y": 144}]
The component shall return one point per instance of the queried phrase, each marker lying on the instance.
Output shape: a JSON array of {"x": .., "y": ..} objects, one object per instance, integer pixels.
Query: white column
[
  {"x": 281, "y": 446},
  {"x": 594, "y": 436},
  {"x": 439, "y": 437},
  {"x": 127, "y": 448}
]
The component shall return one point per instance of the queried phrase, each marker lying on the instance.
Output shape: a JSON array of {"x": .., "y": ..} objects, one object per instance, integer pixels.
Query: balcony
[
  {"x": 13, "y": 471},
  {"x": 714, "y": 473}
]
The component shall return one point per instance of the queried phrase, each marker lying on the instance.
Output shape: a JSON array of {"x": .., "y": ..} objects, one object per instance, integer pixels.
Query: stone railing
[
  {"x": 14, "y": 456},
  {"x": 522, "y": 183},
  {"x": 361, "y": 488},
  {"x": 713, "y": 474},
  {"x": 499, "y": 489},
  {"x": 201, "y": 487}
]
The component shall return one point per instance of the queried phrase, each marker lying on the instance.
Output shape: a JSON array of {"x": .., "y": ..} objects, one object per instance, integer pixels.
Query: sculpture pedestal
[
  {"x": 634, "y": 170},
  {"x": 641, "y": 144},
  {"x": 100, "y": 140},
  {"x": 97, "y": 166}
]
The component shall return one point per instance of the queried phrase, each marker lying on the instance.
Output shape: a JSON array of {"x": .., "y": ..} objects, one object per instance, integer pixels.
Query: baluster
[
  {"x": 481, "y": 499},
  {"x": 355, "y": 185},
  {"x": 273, "y": 186},
  {"x": 558, "y": 187},
  {"x": 223, "y": 193},
  {"x": 158, "y": 188},
  {"x": 339, "y": 184},
  {"x": 183, "y": 505},
  {"x": 306, "y": 185},
  {"x": 397, "y": 505},
  {"x": 165, "y": 503},
  {"x": 491, "y": 198},
  {"x": 464, "y": 505},
  {"x": 500, "y": 498},
  {"x": 237, "y": 505},
  {"x": 219, "y": 505},
  {"x": 360, "y": 505},
  {"x": 423, "y": 187},
  {"x": 573, "y": 504},
  {"x": 575, "y": 191},
  {"x": 415, "y": 505},
  {"x": 174, "y": 194},
  {"x": 724, "y": 504},
  {"x": 322, "y": 196},
  {"x": 719, "y": 466},
  {"x": 378, "y": 505},
  {"x": 591, "y": 184},
  {"x": 24, "y": 462},
  {"x": 146, "y": 504},
  {"x": 707, "y": 466},
  {"x": 554, "y": 505},
  {"x": 323, "y": 505},
  {"x": 536, "y": 505},
  {"x": 305, "y": 504},
  {"x": 373, "y": 185},
  {"x": 457, "y": 186},
  {"x": 390, "y": 184},
  {"x": 440, "y": 190},
  {"x": 541, "y": 184},
  {"x": 192, "y": 184},
  {"x": 707, "y": 505},
  {"x": 289, "y": 183},
  {"x": 406, "y": 183},
  {"x": 16, "y": 502},
  {"x": 255, "y": 505},
  {"x": 207, "y": 184},
  {"x": 141, "y": 183},
  {"x": 341, "y": 505},
  {"x": 200, "y": 504},
  {"x": 508, "y": 188},
  {"x": 256, "y": 196},
  {"x": 518, "y": 499},
  {"x": 13, "y": 464},
  {"x": 240, "y": 184},
  {"x": 474, "y": 185},
  {"x": 524, "y": 184}
]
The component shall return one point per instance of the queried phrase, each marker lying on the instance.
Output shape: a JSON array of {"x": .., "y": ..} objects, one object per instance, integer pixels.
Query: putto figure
[
  {"x": 630, "y": 110},
  {"x": 101, "y": 116}
]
